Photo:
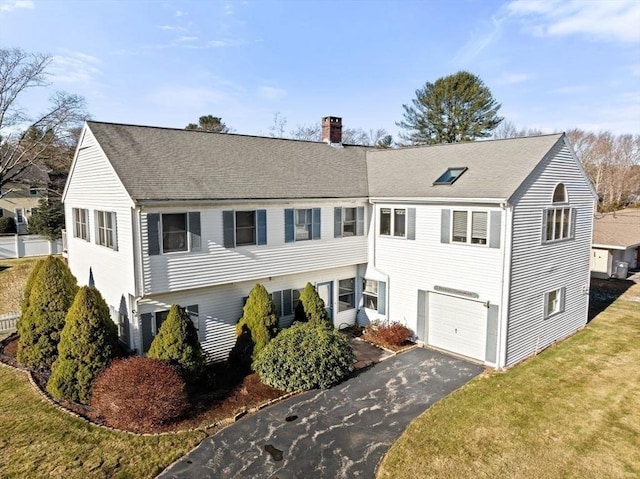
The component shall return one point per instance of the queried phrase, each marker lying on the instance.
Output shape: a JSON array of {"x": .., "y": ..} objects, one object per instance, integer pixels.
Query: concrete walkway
[{"x": 336, "y": 433}]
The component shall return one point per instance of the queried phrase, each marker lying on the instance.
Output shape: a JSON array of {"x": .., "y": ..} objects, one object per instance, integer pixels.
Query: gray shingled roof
[
  {"x": 620, "y": 228},
  {"x": 496, "y": 168},
  {"x": 171, "y": 164}
]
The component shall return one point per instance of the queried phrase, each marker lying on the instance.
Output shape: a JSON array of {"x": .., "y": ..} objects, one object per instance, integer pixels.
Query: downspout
[{"x": 140, "y": 282}]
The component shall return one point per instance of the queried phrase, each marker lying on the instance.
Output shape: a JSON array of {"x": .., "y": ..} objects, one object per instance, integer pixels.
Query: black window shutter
[
  {"x": 495, "y": 229},
  {"x": 287, "y": 302},
  {"x": 194, "y": 231},
  {"x": 289, "y": 227},
  {"x": 153, "y": 233},
  {"x": 228, "y": 228},
  {"x": 192, "y": 311},
  {"x": 445, "y": 226},
  {"x": 360, "y": 221},
  {"x": 277, "y": 300},
  {"x": 411, "y": 223},
  {"x": 261, "y": 216},
  {"x": 337, "y": 222},
  {"x": 147, "y": 332},
  {"x": 315, "y": 226}
]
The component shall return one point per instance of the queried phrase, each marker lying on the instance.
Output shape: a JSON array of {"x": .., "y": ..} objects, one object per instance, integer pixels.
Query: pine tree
[
  {"x": 87, "y": 344},
  {"x": 177, "y": 342},
  {"x": 48, "y": 220},
  {"x": 259, "y": 318},
  {"x": 311, "y": 308},
  {"x": 455, "y": 108},
  {"x": 52, "y": 293}
]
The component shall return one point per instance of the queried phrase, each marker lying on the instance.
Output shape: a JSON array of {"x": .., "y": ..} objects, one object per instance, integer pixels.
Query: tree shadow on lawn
[{"x": 603, "y": 292}]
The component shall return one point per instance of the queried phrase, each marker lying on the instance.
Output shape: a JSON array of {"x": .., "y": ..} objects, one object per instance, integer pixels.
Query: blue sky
[{"x": 553, "y": 65}]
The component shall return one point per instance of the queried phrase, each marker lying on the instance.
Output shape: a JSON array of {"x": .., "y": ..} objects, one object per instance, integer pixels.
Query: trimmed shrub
[
  {"x": 392, "y": 333},
  {"x": 305, "y": 356},
  {"x": 139, "y": 394},
  {"x": 87, "y": 344},
  {"x": 7, "y": 225},
  {"x": 27, "y": 289},
  {"x": 261, "y": 320},
  {"x": 310, "y": 308},
  {"x": 52, "y": 292},
  {"x": 177, "y": 342}
]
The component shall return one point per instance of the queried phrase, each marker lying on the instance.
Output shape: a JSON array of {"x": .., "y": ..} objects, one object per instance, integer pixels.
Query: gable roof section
[
  {"x": 619, "y": 229},
  {"x": 496, "y": 168},
  {"x": 162, "y": 164}
]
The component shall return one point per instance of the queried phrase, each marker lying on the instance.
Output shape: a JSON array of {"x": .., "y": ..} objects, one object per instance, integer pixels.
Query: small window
[
  {"x": 349, "y": 222},
  {"x": 245, "y": 228},
  {"x": 560, "y": 194},
  {"x": 81, "y": 223},
  {"x": 470, "y": 227},
  {"x": 450, "y": 176},
  {"x": 105, "y": 229},
  {"x": 393, "y": 220},
  {"x": 370, "y": 294},
  {"x": 553, "y": 302},
  {"x": 19, "y": 216},
  {"x": 174, "y": 232},
  {"x": 33, "y": 192},
  {"x": 303, "y": 225},
  {"x": 346, "y": 295}
]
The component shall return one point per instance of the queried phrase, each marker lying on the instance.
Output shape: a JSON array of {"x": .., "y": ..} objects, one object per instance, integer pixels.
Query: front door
[{"x": 325, "y": 291}]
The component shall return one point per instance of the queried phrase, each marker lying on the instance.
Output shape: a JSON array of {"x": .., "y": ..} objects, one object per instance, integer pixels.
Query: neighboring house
[
  {"x": 616, "y": 240},
  {"x": 467, "y": 243},
  {"x": 19, "y": 198}
]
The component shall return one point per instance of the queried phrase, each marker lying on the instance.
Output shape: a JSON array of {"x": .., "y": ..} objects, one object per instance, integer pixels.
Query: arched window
[
  {"x": 558, "y": 222},
  {"x": 560, "y": 194}
]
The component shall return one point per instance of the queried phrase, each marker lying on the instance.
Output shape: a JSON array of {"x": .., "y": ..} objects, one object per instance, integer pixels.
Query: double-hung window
[
  {"x": 244, "y": 227},
  {"x": 469, "y": 227},
  {"x": 553, "y": 302},
  {"x": 301, "y": 224},
  {"x": 106, "y": 229},
  {"x": 346, "y": 294},
  {"x": 348, "y": 221},
  {"x": 374, "y": 295},
  {"x": 398, "y": 222},
  {"x": 558, "y": 221},
  {"x": 81, "y": 223},
  {"x": 173, "y": 232}
]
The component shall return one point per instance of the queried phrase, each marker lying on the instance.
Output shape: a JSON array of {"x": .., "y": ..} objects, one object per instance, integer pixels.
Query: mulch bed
[{"x": 226, "y": 393}]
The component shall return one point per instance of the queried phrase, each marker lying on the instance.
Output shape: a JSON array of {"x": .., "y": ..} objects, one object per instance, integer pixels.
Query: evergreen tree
[
  {"x": 259, "y": 318},
  {"x": 29, "y": 285},
  {"x": 177, "y": 342},
  {"x": 48, "y": 220},
  {"x": 455, "y": 108},
  {"x": 87, "y": 344},
  {"x": 8, "y": 225},
  {"x": 209, "y": 123},
  {"x": 52, "y": 293},
  {"x": 311, "y": 308}
]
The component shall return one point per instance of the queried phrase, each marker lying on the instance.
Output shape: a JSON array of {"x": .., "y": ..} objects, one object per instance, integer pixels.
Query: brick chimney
[{"x": 332, "y": 129}]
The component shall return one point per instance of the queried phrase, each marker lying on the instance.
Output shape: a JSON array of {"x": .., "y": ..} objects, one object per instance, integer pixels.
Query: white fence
[
  {"x": 8, "y": 322},
  {"x": 20, "y": 246}
]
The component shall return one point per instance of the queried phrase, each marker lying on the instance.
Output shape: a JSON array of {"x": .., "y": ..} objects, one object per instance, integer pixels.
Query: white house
[{"x": 467, "y": 243}]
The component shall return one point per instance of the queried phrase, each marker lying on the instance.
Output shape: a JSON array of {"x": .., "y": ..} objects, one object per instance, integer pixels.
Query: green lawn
[
  {"x": 571, "y": 412},
  {"x": 38, "y": 440}
]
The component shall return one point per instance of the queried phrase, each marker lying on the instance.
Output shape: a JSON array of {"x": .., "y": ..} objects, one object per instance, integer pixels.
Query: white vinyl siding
[
  {"x": 216, "y": 265},
  {"x": 539, "y": 267}
]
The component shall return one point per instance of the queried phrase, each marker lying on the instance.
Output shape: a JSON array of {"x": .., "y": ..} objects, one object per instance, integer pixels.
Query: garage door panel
[{"x": 457, "y": 325}]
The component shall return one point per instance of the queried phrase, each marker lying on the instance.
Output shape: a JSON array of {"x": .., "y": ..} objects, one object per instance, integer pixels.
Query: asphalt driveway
[{"x": 339, "y": 432}]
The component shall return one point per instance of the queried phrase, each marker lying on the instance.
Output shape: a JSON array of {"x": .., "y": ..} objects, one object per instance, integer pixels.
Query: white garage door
[{"x": 457, "y": 325}]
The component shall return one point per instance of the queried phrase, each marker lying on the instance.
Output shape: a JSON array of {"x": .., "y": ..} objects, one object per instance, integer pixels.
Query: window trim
[
  {"x": 80, "y": 227},
  {"x": 161, "y": 234},
  {"x": 392, "y": 222},
  {"x": 230, "y": 228},
  {"x": 253, "y": 228},
  {"x": 469, "y": 235},
  {"x": 549, "y": 218},
  {"x": 351, "y": 304},
  {"x": 100, "y": 227},
  {"x": 291, "y": 223},
  {"x": 559, "y": 301}
]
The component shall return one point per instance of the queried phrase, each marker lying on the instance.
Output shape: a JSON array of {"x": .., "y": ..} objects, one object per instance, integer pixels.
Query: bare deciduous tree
[
  {"x": 350, "y": 136},
  {"x": 276, "y": 130},
  {"x": 25, "y": 140}
]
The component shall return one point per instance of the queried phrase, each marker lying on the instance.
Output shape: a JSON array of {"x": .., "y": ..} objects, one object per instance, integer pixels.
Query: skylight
[{"x": 450, "y": 176}]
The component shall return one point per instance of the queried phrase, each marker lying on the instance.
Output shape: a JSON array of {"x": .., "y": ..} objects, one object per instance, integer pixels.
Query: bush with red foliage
[
  {"x": 388, "y": 334},
  {"x": 139, "y": 394}
]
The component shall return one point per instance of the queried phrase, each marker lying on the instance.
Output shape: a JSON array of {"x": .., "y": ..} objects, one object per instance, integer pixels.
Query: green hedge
[{"x": 305, "y": 356}]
